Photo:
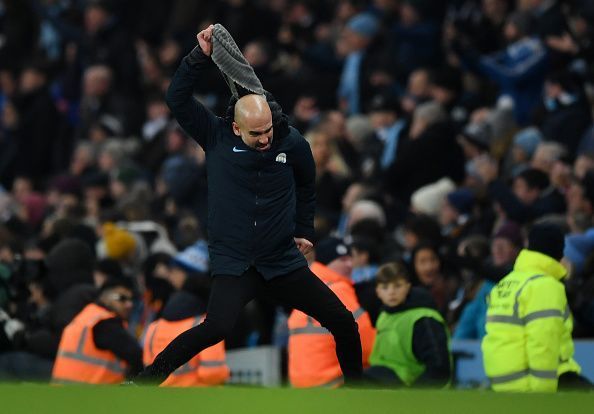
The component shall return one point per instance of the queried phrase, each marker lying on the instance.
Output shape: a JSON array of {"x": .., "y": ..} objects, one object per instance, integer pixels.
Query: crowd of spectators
[{"x": 441, "y": 131}]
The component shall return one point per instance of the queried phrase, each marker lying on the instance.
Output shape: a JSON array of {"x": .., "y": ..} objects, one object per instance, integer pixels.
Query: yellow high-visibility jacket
[{"x": 528, "y": 342}]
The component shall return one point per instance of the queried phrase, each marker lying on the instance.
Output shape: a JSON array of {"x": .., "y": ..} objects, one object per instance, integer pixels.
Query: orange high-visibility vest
[
  {"x": 312, "y": 350},
  {"x": 79, "y": 360},
  {"x": 206, "y": 368}
]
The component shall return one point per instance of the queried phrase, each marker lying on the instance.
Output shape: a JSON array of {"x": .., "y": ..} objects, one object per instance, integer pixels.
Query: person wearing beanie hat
[
  {"x": 354, "y": 44},
  {"x": 364, "y": 24},
  {"x": 462, "y": 200},
  {"x": 332, "y": 249},
  {"x": 429, "y": 199},
  {"x": 577, "y": 249},
  {"x": 116, "y": 243},
  {"x": 528, "y": 346},
  {"x": 525, "y": 143},
  {"x": 194, "y": 258},
  {"x": 188, "y": 270},
  {"x": 455, "y": 211},
  {"x": 475, "y": 139},
  {"x": 546, "y": 239},
  {"x": 109, "y": 353},
  {"x": 261, "y": 204},
  {"x": 312, "y": 360},
  {"x": 506, "y": 244}
]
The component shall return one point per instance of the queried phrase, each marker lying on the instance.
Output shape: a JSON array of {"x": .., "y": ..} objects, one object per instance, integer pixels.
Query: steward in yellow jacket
[
  {"x": 312, "y": 350},
  {"x": 182, "y": 312},
  {"x": 528, "y": 343}
]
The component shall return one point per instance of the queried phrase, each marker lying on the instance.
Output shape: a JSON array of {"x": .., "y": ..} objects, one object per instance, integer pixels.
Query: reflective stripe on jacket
[
  {"x": 528, "y": 342},
  {"x": 312, "y": 350},
  {"x": 207, "y": 368},
  {"x": 79, "y": 360}
]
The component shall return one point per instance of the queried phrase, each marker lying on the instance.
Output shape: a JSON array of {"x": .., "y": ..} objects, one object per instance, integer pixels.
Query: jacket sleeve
[
  {"x": 199, "y": 122},
  {"x": 110, "y": 335},
  {"x": 430, "y": 347},
  {"x": 542, "y": 309},
  {"x": 495, "y": 67},
  {"x": 304, "y": 170}
]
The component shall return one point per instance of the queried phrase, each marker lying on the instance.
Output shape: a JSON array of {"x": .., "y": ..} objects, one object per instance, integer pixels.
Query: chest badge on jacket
[{"x": 282, "y": 158}]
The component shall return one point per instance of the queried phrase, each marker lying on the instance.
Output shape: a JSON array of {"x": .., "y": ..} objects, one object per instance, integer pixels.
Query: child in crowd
[{"x": 411, "y": 347}]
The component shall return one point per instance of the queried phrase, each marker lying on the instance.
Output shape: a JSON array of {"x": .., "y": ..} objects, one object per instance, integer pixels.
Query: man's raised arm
[{"x": 195, "y": 119}]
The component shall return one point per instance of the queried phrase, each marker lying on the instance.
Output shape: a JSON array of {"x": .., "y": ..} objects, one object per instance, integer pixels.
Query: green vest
[{"x": 393, "y": 347}]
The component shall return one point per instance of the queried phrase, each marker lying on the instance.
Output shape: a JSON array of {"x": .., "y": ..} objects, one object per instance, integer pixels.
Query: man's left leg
[{"x": 303, "y": 290}]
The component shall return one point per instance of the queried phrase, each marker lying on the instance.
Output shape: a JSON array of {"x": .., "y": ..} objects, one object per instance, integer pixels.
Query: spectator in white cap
[{"x": 188, "y": 270}]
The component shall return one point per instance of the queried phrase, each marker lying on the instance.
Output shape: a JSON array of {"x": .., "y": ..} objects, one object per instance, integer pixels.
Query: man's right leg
[
  {"x": 303, "y": 290},
  {"x": 228, "y": 296}
]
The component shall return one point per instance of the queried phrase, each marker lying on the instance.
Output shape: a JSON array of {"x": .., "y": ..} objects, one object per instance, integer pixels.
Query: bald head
[
  {"x": 253, "y": 121},
  {"x": 251, "y": 107}
]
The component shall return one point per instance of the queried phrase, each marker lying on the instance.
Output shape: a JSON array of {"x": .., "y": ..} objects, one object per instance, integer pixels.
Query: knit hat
[
  {"x": 462, "y": 200},
  {"x": 528, "y": 139},
  {"x": 547, "y": 239},
  {"x": 194, "y": 259},
  {"x": 510, "y": 231},
  {"x": 330, "y": 249},
  {"x": 364, "y": 24},
  {"x": 478, "y": 134},
  {"x": 119, "y": 244},
  {"x": 428, "y": 199},
  {"x": 232, "y": 64},
  {"x": 578, "y": 247}
]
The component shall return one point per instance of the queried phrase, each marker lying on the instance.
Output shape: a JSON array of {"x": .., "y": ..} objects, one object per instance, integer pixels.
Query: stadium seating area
[{"x": 438, "y": 128}]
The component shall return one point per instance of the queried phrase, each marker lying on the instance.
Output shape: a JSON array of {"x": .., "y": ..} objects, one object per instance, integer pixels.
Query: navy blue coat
[{"x": 257, "y": 201}]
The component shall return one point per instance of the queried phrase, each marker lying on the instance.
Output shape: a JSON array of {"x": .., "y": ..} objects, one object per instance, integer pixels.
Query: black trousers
[{"x": 300, "y": 290}]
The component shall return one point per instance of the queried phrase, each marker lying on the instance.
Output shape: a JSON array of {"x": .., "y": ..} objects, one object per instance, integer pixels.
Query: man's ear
[{"x": 236, "y": 129}]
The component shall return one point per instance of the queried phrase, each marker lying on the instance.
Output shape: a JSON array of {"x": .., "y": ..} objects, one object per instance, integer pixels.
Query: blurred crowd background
[{"x": 441, "y": 130}]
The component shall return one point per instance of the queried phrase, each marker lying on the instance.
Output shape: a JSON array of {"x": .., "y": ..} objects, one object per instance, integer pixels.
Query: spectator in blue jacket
[{"x": 519, "y": 70}]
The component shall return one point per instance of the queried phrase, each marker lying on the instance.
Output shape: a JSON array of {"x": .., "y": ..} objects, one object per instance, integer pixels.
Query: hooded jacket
[
  {"x": 528, "y": 342},
  {"x": 257, "y": 201}
]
